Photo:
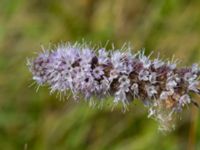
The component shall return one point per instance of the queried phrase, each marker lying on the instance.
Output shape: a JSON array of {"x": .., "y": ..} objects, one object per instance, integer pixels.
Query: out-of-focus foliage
[{"x": 35, "y": 120}]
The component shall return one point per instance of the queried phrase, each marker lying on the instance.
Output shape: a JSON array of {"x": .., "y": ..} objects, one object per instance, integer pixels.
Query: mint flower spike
[{"x": 162, "y": 87}]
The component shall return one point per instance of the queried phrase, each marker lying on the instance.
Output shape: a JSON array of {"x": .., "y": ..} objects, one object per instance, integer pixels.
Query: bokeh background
[{"x": 31, "y": 120}]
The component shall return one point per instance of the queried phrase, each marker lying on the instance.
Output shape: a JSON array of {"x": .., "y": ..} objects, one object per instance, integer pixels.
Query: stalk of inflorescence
[{"x": 161, "y": 86}]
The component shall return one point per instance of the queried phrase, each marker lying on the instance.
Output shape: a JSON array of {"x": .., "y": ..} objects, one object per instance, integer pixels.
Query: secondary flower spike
[{"x": 163, "y": 87}]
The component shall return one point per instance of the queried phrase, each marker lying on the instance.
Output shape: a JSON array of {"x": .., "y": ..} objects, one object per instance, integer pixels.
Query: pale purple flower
[
  {"x": 145, "y": 60},
  {"x": 120, "y": 96},
  {"x": 39, "y": 67},
  {"x": 162, "y": 87},
  {"x": 103, "y": 56},
  {"x": 184, "y": 99},
  {"x": 195, "y": 68},
  {"x": 104, "y": 86},
  {"x": 116, "y": 60},
  {"x": 171, "y": 65},
  {"x": 152, "y": 77},
  {"x": 151, "y": 90},
  {"x": 124, "y": 83},
  {"x": 194, "y": 86},
  {"x": 113, "y": 74},
  {"x": 86, "y": 55},
  {"x": 190, "y": 77},
  {"x": 98, "y": 72},
  {"x": 135, "y": 89},
  {"x": 157, "y": 63},
  {"x": 171, "y": 84},
  {"x": 164, "y": 95},
  {"x": 144, "y": 75}
]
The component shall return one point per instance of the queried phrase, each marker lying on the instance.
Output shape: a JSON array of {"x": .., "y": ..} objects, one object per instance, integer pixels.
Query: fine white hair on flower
[{"x": 96, "y": 72}]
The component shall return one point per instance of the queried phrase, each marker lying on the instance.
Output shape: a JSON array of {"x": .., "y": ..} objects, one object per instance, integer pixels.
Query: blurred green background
[{"x": 39, "y": 121}]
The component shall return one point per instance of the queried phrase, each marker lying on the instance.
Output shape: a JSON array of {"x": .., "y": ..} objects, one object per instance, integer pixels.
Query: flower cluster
[{"x": 162, "y": 86}]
